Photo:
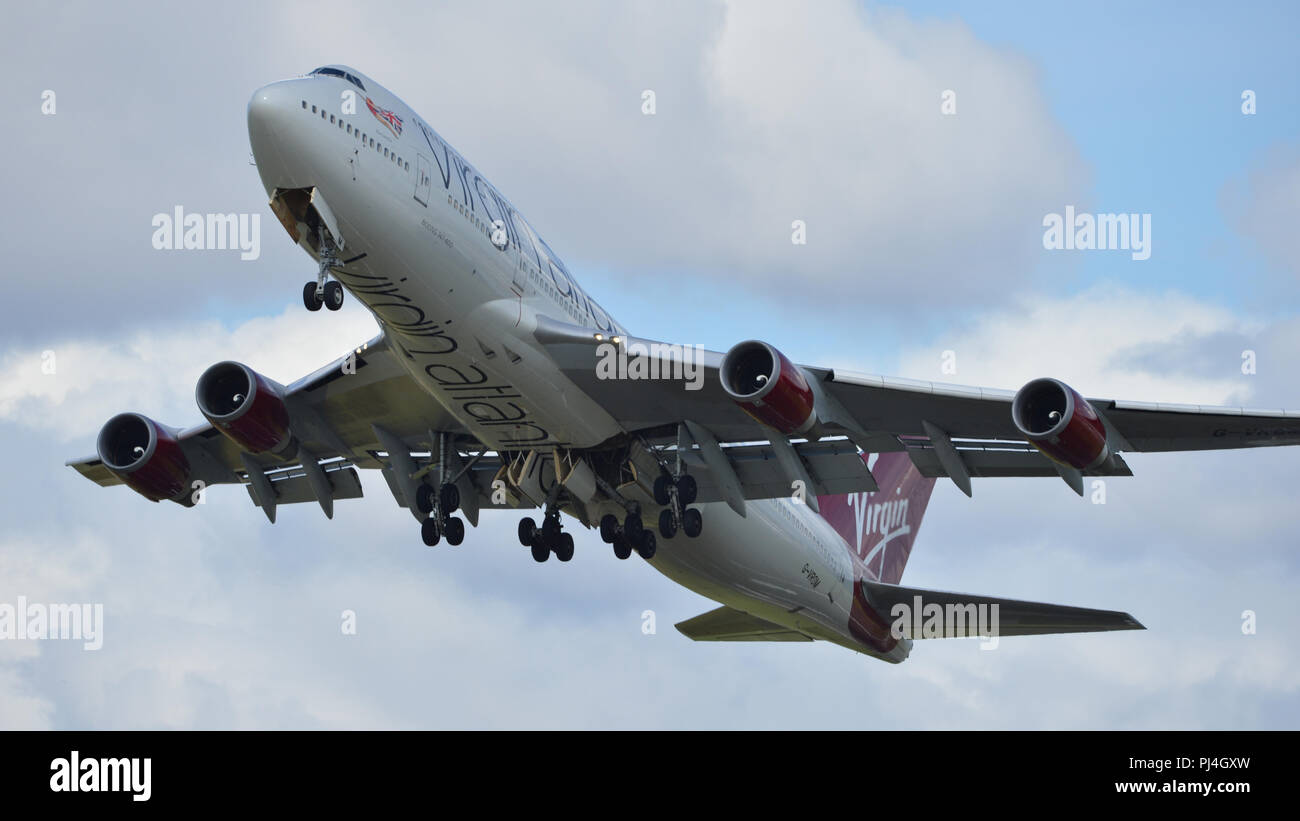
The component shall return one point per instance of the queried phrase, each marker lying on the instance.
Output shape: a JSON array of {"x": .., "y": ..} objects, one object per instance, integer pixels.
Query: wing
[
  {"x": 948, "y": 430},
  {"x": 361, "y": 411}
]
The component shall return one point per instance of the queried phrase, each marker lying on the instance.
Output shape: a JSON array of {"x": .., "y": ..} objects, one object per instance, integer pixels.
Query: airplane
[{"x": 791, "y": 495}]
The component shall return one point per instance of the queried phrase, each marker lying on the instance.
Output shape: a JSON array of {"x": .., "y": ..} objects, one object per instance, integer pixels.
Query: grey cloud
[{"x": 1265, "y": 205}]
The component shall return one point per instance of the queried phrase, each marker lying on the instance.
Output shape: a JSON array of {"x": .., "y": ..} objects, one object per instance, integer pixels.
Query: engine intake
[
  {"x": 144, "y": 455},
  {"x": 1060, "y": 423},
  {"x": 769, "y": 387},
  {"x": 245, "y": 406}
]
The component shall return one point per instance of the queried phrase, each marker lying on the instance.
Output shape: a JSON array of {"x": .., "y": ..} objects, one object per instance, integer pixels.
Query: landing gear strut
[
  {"x": 440, "y": 522},
  {"x": 324, "y": 291},
  {"x": 438, "y": 504}
]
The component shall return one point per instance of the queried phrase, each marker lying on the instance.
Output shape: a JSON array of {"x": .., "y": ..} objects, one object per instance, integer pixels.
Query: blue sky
[
  {"x": 1151, "y": 93},
  {"x": 924, "y": 235}
]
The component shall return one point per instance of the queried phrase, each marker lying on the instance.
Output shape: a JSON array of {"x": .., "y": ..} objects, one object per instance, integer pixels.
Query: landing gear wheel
[
  {"x": 424, "y": 498},
  {"x": 310, "y": 298},
  {"x": 528, "y": 532},
  {"x": 692, "y": 523},
  {"x": 662, "y": 482},
  {"x": 429, "y": 531},
  {"x": 648, "y": 545},
  {"x": 687, "y": 490},
  {"x": 667, "y": 524},
  {"x": 632, "y": 528},
  {"x": 564, "y": 550},
  {"x": 608, "y": 528},
  {"x": 333, "y": 295},
  {"x": 622, "y": 549},
  {"x": 455, "y": 531},
  {"x": 540, "y": 551},
  {"x": 449, "y": 499},
  {"x": 551, "y": 528}
]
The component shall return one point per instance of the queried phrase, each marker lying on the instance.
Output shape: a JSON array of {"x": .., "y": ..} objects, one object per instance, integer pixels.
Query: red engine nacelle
[
  {"x": 768, "y": 387},
  {"x": 1060, "y": 423},
  {"x": 246, "y": 407},
  {"x": 145, "y": 456}
]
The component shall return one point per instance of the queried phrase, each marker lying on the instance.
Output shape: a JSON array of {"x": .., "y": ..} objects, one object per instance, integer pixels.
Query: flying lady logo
[{"x": 388, "y": 118}]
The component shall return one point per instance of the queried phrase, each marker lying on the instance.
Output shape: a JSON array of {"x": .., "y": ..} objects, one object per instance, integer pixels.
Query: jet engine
[
  {"x": 145, "y": 455},
  {"x": 1060, "y": 423},
  {"x": 769, "y": 387},
  {"x": 245, "y": 406}
]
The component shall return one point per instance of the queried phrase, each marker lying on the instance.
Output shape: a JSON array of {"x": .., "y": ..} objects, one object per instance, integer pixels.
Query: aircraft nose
[
  {"x": 273, "y": 114},
  {"x": 269, "y": 110}
]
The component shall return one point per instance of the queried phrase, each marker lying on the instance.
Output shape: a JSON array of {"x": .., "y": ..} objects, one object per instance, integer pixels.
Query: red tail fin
[{"x": 882, "y": 526}]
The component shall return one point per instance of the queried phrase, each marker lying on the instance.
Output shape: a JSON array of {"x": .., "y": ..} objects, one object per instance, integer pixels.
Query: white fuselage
[{"x": 457, "y": 278}]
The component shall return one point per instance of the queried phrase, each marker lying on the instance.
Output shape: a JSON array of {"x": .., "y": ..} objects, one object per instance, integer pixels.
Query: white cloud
[
  {"x": 1109, "y": 341},
  {"x": 155, "y": 371}
]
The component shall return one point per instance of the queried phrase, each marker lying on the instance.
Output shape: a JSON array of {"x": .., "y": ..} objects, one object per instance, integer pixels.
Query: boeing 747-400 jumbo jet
[{"x": 789, "y": 494}]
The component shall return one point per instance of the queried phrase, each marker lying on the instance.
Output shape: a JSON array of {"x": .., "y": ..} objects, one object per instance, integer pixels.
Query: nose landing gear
[{"x": 324, "y": 291}]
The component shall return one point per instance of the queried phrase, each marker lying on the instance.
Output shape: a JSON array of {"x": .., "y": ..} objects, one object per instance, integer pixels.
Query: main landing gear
[
  {"x": 675, "y": 493},
  {"x": 547, "y": 539},
  {"x": 324, "y": 291},
  {"x": 440, "y": 523},
  {"x": 630, "y": 535}
]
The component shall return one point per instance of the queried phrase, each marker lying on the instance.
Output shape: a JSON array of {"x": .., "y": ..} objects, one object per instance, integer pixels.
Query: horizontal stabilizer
[
  {"x": 965, "y": 615},
  {"x": 730, "y": 624}
]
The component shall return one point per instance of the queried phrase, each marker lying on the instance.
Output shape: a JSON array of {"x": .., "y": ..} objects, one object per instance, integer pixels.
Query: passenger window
[
  {"x": 304, "y": 105},
  {"x": 331, "y": 119},
  {"x": 313, "y": 109}
]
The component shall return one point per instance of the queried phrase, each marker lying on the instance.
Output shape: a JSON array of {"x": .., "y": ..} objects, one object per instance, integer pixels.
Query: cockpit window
[{"x": 334, "y": 72}]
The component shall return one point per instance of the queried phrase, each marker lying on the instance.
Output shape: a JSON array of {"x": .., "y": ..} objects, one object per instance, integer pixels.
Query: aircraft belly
[{"x": 764, "y": 564}]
